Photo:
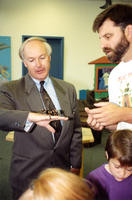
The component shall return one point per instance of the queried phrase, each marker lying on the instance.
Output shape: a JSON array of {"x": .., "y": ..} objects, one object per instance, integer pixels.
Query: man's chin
[
  {"x": 113, "y": 59},
  {"x": 110, "y": 58}
]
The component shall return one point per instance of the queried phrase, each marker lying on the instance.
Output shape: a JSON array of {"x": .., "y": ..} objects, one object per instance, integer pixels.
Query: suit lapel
[{"x": 33, "y": 96}]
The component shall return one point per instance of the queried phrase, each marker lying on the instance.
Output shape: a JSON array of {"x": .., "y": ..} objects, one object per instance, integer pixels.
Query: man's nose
[
  {"x": 38, "y": 63},
  {"x": 103, "y": 44}
]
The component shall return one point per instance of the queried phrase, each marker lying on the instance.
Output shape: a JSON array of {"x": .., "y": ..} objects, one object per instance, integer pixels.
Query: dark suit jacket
[{"x": 34, "y": 151}]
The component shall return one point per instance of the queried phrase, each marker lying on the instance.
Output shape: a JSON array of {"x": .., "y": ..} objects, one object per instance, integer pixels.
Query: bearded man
[{"x": 114, "y": 26}]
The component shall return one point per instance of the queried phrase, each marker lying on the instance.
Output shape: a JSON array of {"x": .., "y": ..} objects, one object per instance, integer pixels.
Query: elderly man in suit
[{"x": 21, "y": 110}]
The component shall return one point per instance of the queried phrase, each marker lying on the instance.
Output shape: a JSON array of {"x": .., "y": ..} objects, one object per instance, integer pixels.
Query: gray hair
[{"x": 21, "y": 49}]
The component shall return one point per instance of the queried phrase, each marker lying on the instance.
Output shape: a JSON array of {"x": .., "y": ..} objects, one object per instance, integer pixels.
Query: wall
[{"x": 71, "y": 19}]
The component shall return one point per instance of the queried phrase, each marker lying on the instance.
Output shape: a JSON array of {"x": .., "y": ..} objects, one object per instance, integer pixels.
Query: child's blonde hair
[{"x": 58, "y": 184}]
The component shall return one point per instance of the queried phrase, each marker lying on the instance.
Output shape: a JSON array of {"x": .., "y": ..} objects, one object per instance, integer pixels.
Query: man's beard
[{"x": 119, "y": 50}]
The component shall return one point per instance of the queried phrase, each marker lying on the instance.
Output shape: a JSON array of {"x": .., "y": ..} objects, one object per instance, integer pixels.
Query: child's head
[
  {"x": 119, "y": 154},
  {"x": 54, "y": 184}
]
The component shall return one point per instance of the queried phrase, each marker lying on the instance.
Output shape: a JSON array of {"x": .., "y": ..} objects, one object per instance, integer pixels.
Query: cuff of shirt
[{"x": 28, "y": 126}]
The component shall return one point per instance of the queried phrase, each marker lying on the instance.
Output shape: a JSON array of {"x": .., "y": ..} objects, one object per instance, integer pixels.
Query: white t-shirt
[{"x": 120, "y": 88}]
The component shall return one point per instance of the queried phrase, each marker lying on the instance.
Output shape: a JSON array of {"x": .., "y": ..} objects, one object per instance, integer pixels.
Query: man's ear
[
  {"x": 128, "y": 33},
  {"x": 25, "y": 63},
  {"x": 106, "y": 154}
]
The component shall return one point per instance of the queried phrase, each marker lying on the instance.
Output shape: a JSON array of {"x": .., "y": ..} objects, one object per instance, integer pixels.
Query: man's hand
[
  {"x": 106, "y": 113},
  {"x": 44, "y": 120},
  {"x": 93, "y": 122},
  {"x": 111, "y": 127}
]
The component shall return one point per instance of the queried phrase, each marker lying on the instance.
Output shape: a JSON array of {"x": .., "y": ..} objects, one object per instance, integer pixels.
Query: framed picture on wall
[{"x": 102, "y": 75}]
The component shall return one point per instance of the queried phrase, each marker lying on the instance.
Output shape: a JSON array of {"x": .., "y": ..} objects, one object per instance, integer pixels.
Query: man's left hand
[{"x": 106, "y": 113}]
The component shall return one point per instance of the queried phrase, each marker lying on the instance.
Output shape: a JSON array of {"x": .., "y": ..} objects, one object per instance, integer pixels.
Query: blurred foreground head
[{"x": 58, "y": 184}]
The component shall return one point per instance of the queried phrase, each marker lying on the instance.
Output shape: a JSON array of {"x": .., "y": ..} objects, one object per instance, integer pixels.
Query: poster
[{"x": 5, "y": 58}]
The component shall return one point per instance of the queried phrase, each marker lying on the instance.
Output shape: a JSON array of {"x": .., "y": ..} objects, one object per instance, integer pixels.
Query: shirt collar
[{"x": 37, "y": 82}]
